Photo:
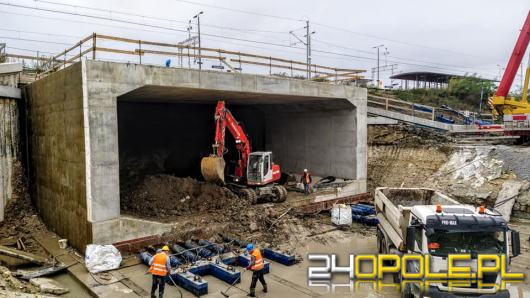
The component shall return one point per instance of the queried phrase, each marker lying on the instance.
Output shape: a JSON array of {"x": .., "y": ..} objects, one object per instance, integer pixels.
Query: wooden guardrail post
[
  {"x": 140, "y": 51},
  {"x": 412, "y": 109},
  {"x": 433, "y": 116},
  {"x": 386, "y": 104},
  {"x": 94, "y": 46}
]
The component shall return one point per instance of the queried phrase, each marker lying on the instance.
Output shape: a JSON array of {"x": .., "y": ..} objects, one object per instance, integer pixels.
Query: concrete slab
[
  {"x": 10, "y": 92},
  {"x": 380, "y": 121},
  {"x": 9, "y": 68}
]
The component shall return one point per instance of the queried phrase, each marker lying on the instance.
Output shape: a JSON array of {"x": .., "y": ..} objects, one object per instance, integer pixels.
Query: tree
[{"x": 469, "y": 88}]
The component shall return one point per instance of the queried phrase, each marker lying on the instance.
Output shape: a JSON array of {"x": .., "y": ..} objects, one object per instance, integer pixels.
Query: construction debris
[
  {"x": 48, "y": 270},
  {"x": 506, "y": 198},
  {"x": 10, "y": 283},
  {"x": 22, "y": 255},
  {"x": 48, "y": 286}
]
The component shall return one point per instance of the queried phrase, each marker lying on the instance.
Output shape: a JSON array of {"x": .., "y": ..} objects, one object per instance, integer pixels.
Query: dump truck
[{"x": 425, "y": 221}]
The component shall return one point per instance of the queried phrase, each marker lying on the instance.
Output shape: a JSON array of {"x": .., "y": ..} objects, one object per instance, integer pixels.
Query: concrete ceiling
[{"x": 162, "y": 94}]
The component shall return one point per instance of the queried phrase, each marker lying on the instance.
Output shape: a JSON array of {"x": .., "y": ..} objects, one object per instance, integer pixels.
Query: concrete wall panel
[
  {"x": 57, "y": 155},
  {"x": 322, "y": 141}
]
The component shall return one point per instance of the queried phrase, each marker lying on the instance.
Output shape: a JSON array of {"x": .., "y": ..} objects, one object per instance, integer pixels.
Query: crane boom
[{"x": 515, "y": 59}]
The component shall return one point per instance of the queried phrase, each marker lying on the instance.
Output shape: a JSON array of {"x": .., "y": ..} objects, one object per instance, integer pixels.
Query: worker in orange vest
[
  {"x": 256, "y": 265},
  {"x": 306, "y": 180},
  {"x": 160, "y": 268}
]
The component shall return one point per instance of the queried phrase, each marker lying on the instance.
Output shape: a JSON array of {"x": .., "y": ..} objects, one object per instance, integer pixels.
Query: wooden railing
[
  {"x": 401, "y": 106},
  {"x": 420, "y": 110},
  {"x": 95, "y": 47}
]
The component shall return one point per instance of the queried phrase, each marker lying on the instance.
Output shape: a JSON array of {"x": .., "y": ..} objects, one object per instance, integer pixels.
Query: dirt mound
[{"x": 165, "y": 196}]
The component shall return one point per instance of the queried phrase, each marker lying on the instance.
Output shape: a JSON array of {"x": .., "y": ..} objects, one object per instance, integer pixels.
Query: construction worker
[
  {"x": 160, "y": 268},
  {"x": 306, "y": 180},
  {"x": 256, "y": 265}
]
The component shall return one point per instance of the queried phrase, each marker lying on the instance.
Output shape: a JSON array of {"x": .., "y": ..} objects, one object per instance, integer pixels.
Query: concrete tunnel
[{"x": 123, "y": 119}]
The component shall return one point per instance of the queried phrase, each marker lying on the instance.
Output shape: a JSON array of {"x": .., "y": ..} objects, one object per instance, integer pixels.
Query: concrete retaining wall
[
  {"x": 57, "y": 154},
  {"x": 9, "y": 150}
]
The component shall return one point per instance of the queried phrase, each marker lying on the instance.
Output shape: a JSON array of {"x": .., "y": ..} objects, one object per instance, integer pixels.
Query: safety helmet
[
  {"x": 250, "y": 247},
  {"x": 165, "y": 248},
  {"x": 305, "y": 170}
]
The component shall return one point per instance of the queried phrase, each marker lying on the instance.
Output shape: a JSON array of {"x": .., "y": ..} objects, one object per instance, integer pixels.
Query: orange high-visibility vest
[
  {"x": 258, "y": 265},
  {"x": 159, "y": 265},
  {"x": 307, "y": 180}
]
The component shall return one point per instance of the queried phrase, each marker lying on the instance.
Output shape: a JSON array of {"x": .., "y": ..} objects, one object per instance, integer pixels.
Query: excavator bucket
[{"x": 213, "y": 169}]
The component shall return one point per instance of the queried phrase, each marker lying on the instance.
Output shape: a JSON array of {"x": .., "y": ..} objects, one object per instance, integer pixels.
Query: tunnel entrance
[
  {"x": 163, "y": 135},
  {"x": 172, "y": 138}
]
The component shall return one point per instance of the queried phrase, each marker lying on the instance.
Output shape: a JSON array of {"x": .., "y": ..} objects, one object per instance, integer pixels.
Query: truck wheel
[
  {"x": 280, "y": 194},
  {"x": 380, "y": 239},
  {"x": 249, "y": 195}
]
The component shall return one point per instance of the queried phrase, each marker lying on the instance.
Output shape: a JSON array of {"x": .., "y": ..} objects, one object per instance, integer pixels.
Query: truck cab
[{"x": 424, "y": 221}]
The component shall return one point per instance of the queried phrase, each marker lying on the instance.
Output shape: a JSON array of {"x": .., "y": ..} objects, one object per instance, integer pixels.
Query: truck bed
[{"x": 393, "y": 207}]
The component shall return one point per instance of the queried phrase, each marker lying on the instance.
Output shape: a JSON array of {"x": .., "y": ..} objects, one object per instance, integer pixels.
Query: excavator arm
[{"x": 212, "y": 167}]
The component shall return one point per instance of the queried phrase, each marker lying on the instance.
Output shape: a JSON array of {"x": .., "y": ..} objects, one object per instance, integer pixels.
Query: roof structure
[{"x": 426, "y": 76}]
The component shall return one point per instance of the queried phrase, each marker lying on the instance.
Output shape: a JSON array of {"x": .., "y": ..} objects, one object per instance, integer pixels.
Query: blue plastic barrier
[
  {"x": 192, "y": 281},
  {"x": 279, "y": 257},
  {"x": 370, "y": 220},
  {"x": 361, "y": 209}
]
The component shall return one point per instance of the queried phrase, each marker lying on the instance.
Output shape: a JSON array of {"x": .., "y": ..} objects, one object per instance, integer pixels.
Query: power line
[
  {"x": 135, "y": 23},
  {"x": 35, "y": 40},
  {"x": 241, "y": 11},
  {"x": 40, "y": 33},
  {"x": 91, "y": 16},
  {"x": 331, "y": 27},
  {"x": 178, "y": 30},
  {"x": 30, "y": 50},
  {"x": 396, "y": 41},
  {"x": 183, "y": 21},
  {"x": 401, "y": 58},
  {"x": 82, "y": 22}
]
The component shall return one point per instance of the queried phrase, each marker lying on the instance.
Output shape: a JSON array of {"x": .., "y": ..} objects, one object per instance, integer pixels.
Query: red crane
[
  {"x": 515, "y": 113},
  {"x": 515, "y": 59}
]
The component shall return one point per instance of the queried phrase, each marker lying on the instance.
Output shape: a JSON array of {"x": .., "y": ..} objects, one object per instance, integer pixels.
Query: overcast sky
[{"x": 451, "y": 36}]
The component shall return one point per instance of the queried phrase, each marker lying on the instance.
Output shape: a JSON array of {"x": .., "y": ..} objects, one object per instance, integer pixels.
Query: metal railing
[{"x": 99, "y": 47}]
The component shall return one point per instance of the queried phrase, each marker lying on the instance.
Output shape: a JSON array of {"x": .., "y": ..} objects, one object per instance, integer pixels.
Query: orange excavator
[{"x": 255, "y": 176}]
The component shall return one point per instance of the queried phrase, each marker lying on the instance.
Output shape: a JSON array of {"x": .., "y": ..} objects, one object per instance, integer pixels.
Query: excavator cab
[{"x": 260, "y": 168}]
